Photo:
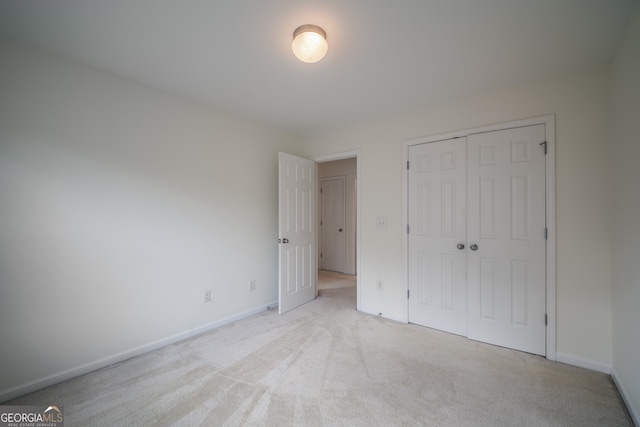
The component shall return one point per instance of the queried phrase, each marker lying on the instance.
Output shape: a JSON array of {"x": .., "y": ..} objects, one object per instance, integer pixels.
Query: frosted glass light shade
[{"x": 309, "y": 43}]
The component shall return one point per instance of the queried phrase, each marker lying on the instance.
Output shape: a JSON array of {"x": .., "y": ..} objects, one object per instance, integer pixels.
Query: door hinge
[
  {"x": 320, "y": 223},
  {"x": 544, "y": 146},
  {"x": 407, "y": 164},
  {"x": 320, "y": 190},
  {"x": 546, "y": 320},
  {"x": 407, "y": 293},
  {"x": 320, "y": 254},
  {"x": 407, "y": 228},
  {"x": 546, "y": 233}
]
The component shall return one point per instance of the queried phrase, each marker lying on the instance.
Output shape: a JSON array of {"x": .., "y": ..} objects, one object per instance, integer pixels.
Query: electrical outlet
[
  {"x": 382, "y": 222},
  {"x": 207, "y": 296},
  {"x": 380, "y": 284},
  {"x": 252, "y": 285}
]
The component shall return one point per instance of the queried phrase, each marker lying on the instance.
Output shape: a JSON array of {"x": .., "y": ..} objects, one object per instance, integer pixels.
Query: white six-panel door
[
  {"x": 477, "y": 237},
  {"x": 297, "y": 272},
  {"x": 506, "y": 222},
  {"x": 437, "y": 216},
  {"x": 332, "y": 236}
]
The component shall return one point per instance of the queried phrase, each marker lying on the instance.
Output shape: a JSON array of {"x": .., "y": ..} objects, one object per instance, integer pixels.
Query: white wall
[
  {"x": 626, "y": 217},
  {"x": 347, "y": 168},
  {"x": 119, "y": 206},
  {"x": 580, "y": 103}
]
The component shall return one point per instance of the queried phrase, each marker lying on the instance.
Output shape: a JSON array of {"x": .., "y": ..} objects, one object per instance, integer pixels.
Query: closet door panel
[
  {"x": 506, "y": 237},
  {"x": 437, "y": 215}
]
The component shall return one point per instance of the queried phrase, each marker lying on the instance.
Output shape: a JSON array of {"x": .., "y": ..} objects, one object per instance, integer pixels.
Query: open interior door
[{"x": 297, "y": 231}]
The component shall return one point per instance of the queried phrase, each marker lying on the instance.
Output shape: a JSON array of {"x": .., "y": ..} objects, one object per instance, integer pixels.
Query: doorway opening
[{"x": 337, "y": 224}]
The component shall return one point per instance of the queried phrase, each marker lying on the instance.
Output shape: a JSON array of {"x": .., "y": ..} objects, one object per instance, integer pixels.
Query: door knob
[
  {"x": 460, "y": 246},
  {"x": 473, "y": 247},
  {"x": 285, "y": 240},
  {"x": 340, "y": 230}
]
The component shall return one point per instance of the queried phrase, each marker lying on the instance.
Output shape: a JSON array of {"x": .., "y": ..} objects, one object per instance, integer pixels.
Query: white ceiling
[{"x": 385, "y": 57}]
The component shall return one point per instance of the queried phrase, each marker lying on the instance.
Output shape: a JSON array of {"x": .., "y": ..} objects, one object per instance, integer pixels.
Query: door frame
[
  {"x": 341, "y": 156},
  {"x": 550, "y": 213}
]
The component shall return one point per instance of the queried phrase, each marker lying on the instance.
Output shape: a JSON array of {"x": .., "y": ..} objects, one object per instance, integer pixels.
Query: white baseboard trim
[
  {"x": 390, "y": 316},
  {"x": 583, "y": 363},
  {"x": 12, "y": 393},
  {"x": 634, "y": 411},
  {"x": 394, "y": 316}
]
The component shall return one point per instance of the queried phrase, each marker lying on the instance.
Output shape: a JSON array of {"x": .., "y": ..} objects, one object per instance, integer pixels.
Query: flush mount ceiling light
[{"x": 309, "y": 43}]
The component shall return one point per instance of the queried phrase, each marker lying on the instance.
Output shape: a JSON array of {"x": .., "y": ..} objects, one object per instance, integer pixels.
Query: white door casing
[
  {"x": 504, "y": 212},
  {"x": 297, "y": 240},
  {"x": 332, "y": 224},
  {"x": 506, "y": 221},
  {"x": 437, "y": 267}
]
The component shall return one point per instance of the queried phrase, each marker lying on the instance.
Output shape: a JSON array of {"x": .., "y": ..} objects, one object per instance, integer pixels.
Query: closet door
[
  {"x": 437, "y": 218},
  {"x": 506, "y": 238}
]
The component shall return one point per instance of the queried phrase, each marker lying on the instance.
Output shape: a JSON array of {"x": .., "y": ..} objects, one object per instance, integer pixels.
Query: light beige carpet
[{"x": 326, "y": 364}]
